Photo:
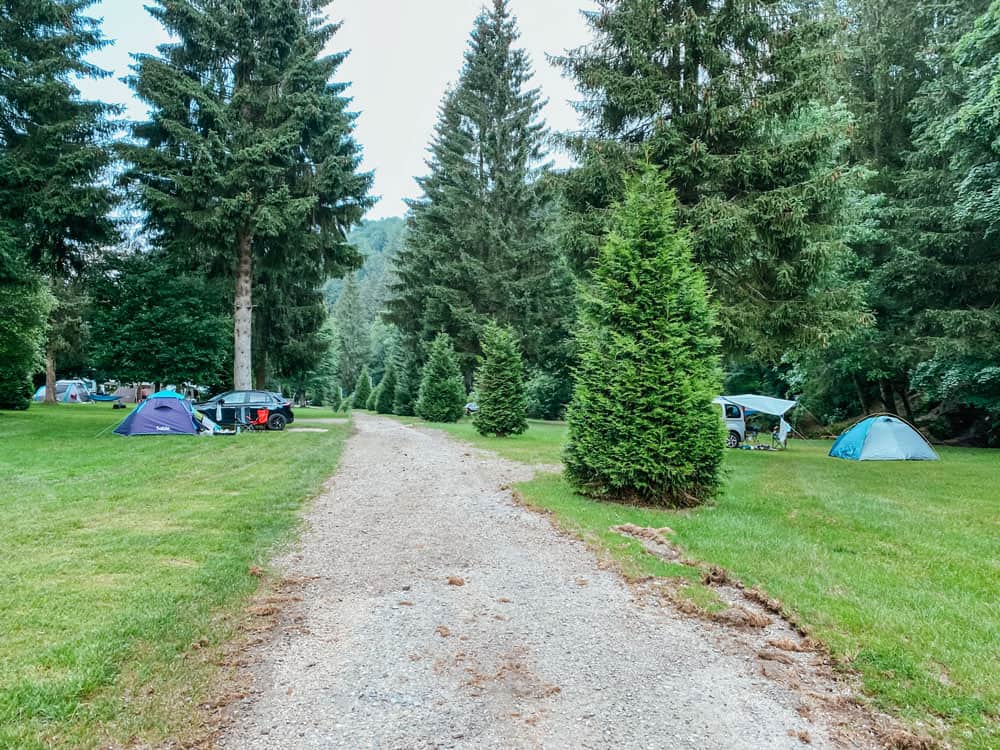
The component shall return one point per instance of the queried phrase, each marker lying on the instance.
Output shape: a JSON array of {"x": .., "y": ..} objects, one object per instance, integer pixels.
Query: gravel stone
[{"x": 532, "y": 658}]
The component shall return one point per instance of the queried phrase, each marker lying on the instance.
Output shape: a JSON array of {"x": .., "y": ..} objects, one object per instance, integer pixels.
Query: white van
[{"x": 735, "y": 417}]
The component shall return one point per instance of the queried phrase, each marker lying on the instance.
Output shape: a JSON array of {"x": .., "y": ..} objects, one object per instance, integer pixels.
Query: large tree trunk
[
  {"x": 50, "y": 376},
  {"x": 243, "y": 315}
]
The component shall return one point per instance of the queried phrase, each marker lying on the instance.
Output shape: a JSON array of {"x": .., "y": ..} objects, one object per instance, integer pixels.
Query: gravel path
[{"x": 536, "y": 647}]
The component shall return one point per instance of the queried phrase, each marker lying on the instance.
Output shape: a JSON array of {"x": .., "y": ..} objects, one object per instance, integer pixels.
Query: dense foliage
[
  {"x": 152, "y": 322},
  {"x": 500, "y": 385},
  {"x": 353, "y": 344},
  {"x": 642, "y": 425},
  {"x": 730, "y": 99},
  {"x": 442, "y": 396},
  {"x": 24, "y": 307}
]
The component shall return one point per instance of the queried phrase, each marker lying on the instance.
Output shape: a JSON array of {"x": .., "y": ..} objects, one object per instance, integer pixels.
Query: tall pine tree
[
  {"x": 730, "y": 99},
  {"x": 55, "y": 203},
  {"x": 353, "y": 341},
  {"x": 248, "y": 155},
  {"x": 477, "y": 247}
]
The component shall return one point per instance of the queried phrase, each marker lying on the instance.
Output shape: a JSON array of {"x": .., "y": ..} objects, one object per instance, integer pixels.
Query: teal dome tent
[{"x": 883, "y": 438}]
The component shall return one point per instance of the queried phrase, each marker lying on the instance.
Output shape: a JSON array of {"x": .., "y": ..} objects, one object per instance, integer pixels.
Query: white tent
[{"x": 777, "y": 407}]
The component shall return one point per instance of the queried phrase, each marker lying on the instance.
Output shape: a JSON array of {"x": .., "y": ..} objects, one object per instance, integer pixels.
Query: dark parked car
[{"x": 241, "y": 406}]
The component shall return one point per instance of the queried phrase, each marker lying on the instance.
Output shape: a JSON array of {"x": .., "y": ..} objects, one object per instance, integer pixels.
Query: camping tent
[
  {"x": 882, "y": 438},
  {"x": 67, "y": 392},
  {"x": 163, "y": 413}
]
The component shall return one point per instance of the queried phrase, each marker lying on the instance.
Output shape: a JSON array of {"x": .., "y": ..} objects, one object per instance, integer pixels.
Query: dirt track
[{"x": 530, "y": 644}]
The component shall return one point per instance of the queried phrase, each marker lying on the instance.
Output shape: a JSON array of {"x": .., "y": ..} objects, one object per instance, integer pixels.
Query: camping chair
[{"x": 257, "y": 420}]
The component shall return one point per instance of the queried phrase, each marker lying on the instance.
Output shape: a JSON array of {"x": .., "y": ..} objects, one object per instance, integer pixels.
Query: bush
[
  {"x": 386, "y": 393},
  {"x": 24, "y": 309},
  {"x": 500, "y": 383},
  {"x": 442, "y": 394},
  {"x": 642, "y": 425},
  {"x": 407, "y": 388},
  {"x": 345, "y": 405},
  {"x": 363, "y": 389},
  {"x": 15, "y": 388},
  {"x": 547, "y": 395},
  {"x": 370, "y": 403}
]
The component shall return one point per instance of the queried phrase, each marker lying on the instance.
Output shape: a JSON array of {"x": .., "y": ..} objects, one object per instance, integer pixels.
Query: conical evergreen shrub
[
  {"x": 363, "y": 389},
  {"x": 370, "y": 403},
  {"x": 442, "y": 394},
  {"x": 407, "y": 387},
  {"x": 642, "y": 425},
  {"x": 500, "y": 384},
  {"x": 385, "y": 394}
]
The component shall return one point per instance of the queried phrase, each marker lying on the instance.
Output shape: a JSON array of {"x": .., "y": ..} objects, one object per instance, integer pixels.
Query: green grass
[
  {"x": 118, "y": 553},
  {"x": 541, "y": 444},
  {"x": 894, "y": 565}
]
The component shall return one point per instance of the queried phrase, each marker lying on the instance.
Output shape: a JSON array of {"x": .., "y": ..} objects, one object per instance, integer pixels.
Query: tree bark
[
  {"x": 50, "y": 376},
  {"x": 243, "y": 315}
]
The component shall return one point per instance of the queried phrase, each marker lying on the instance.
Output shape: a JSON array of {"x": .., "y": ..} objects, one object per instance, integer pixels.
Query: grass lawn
[
  {"x": 118, "y": 554},
  {"x": 541, "y": 444},
  {"x": 894, "y": 565}
]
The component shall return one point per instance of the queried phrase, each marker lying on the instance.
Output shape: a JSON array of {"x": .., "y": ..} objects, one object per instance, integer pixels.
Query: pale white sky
[{"x": 404, "y": 54}]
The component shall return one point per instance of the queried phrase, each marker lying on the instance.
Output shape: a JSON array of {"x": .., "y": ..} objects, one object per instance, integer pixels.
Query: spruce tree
[
  {"x": 442, "y": 395},
  {"x": 362, "y": 389},
  {"x": 353, "y": 335},
  {"x": 407, "y": 386},
  {"x": 248, "y": 154},
  {"x": 478, "y": 247},
  {"x": 386, "y": 397},
  {"x": 55, "y": 202},
  {"x": 372, "y": 398},
  {"x": 732, "y": 100},
  {"x": 500, "y": 385},
  {"x": 642, "y": 425}
]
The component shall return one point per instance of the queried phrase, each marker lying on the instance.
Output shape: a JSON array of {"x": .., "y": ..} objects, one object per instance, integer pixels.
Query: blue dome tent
[
  {"x": 163, "y": 413},
  {"x": 882, "y": 438}
]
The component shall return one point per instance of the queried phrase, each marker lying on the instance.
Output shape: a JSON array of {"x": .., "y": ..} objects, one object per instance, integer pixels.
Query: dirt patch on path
[{"x": 387, "y": 651}]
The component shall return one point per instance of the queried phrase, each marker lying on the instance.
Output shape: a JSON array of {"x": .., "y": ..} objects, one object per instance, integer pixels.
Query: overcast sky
[{"x": 404, "y": 54}]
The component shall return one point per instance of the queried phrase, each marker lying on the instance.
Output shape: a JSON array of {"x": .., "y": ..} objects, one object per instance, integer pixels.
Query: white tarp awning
[{"x": 764, "y": 404}]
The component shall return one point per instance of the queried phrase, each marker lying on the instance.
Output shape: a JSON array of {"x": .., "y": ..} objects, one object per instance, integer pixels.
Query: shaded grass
[
  {"x": 118, "y": 553},
  {"x": 894, "y": 565}
]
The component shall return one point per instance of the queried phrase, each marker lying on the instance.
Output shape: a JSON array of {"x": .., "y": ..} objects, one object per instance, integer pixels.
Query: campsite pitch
[{"x": 124, "y": 561}]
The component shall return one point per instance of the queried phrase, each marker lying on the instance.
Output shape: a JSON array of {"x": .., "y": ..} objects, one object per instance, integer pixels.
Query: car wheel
[
  {"x": 733, "y": 439},
  {"x": 276, "y": 422}
]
